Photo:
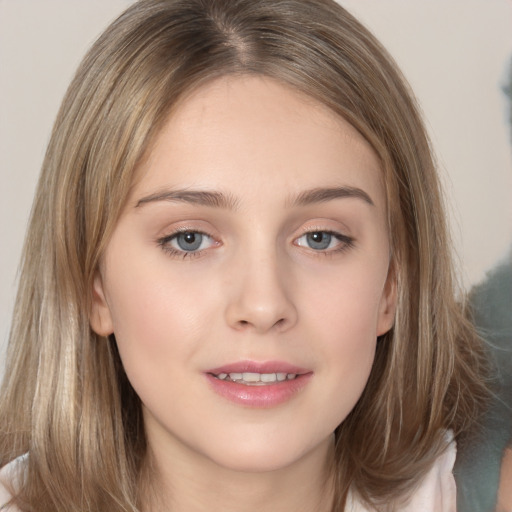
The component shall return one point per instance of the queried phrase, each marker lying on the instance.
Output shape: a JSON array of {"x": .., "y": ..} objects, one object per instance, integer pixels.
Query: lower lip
[{"x": 261, "y": 397}]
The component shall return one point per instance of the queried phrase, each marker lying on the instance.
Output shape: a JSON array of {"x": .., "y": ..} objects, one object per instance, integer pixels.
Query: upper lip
[{"x": 259, "y": 367}]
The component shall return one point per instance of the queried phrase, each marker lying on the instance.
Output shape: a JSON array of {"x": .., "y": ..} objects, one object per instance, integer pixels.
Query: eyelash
[{"x": 346, "y": 243}]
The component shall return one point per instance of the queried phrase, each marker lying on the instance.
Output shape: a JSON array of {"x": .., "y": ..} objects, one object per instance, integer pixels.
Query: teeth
[
  {"x": 251, "y": 377},
  {"x": 256, "y": 379}
]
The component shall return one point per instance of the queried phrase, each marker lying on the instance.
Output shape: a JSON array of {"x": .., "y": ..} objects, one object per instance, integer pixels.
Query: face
[{"x": 247, "y": 279}]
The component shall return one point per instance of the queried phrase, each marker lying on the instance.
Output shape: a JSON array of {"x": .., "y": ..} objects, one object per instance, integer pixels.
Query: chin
[
  {"x": 256, "y": 464},
  {"x": 268, "y": 455}
]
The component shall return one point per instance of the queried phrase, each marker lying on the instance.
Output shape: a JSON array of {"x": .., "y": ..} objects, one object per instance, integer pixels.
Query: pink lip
[{"x": 270, "y": 395}]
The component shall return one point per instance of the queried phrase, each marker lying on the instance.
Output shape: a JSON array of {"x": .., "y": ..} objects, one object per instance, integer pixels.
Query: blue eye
[{"x": 326, "y": 241}]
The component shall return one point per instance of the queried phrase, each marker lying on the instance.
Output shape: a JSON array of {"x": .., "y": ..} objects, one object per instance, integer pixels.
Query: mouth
[{"x": 259, "y": 384}]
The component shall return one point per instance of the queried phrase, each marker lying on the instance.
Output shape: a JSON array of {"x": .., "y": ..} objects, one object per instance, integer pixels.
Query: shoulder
[
  {"x": 435, "y": 493},
  {"x": 10, "y": 476}
]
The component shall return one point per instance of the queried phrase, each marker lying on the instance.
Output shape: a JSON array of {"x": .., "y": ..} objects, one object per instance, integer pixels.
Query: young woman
[{"x": 236, "y": 291}]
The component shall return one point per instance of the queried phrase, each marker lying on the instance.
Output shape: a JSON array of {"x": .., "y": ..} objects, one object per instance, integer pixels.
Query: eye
[
  {"x": 327, "y": 241},
  {"x": 186, "y": 243}
]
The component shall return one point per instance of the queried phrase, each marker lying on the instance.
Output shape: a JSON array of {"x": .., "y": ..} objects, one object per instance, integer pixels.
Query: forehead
[{"x": 239, "y": 132}]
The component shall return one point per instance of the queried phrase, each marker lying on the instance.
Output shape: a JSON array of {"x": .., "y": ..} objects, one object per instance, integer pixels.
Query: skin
[
  {"x": 254, "y": 290},
  {"x": 505, "y": 489}
]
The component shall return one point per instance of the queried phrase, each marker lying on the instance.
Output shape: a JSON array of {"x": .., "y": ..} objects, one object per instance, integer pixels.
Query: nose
[{"x": 261, "y": 296}]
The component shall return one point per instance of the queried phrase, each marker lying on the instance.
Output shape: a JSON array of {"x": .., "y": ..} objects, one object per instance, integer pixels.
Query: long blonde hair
[{"x": 65, "y": 398}]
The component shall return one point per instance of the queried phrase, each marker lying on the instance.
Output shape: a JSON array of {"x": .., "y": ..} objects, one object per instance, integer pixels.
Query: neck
[{"x": 196, "y": 484}]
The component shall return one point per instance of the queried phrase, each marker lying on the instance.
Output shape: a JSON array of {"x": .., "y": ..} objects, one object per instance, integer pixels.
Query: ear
[
  {"x": 100, "y": 318},
  {"x": 387, "y": 307}
]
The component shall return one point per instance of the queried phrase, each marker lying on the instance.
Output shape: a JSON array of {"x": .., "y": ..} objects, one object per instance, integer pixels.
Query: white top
[
  {"x": 11, "y": 473},
  {"x": 436, "y": 492}
]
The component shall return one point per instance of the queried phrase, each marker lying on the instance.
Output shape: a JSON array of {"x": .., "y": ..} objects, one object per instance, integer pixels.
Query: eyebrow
[
  {"x": 216, "y": 199},
  {"x": 199, "y": 197},
  {"x": 322, "y": 195}
]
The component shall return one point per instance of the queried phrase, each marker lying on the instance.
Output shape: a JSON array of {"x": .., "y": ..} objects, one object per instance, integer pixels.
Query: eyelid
[{"x": 335, "y": 234}]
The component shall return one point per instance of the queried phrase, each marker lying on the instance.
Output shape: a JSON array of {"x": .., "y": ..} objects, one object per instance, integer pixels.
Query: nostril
[{"x": 280, "y": 322}]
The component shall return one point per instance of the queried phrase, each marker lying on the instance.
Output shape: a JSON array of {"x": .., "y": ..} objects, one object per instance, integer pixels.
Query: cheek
[
  {"x": 158, "y": 318},
  {"x": 343, "y": 315},
  {"x": 159, "y": 331},
  {"x": 347, "y": 303}
]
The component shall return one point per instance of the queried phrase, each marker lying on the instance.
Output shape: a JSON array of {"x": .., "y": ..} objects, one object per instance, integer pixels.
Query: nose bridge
[{"x": 261, "y": 299}]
